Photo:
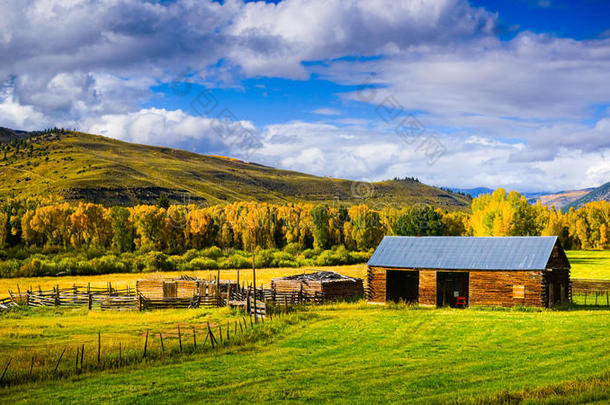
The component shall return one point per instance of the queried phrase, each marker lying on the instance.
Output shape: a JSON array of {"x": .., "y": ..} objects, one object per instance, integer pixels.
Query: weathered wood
[
  {"x": 496, "y": 288},
  {"x": 377, "y": 284},
  {"x": 145, "y": 344},
  {"x": 427, "y": 287}
]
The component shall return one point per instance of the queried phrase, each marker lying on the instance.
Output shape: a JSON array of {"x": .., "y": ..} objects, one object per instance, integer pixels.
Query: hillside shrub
[
  {"x": 201, "y": 263},
  {"x": 158, "y": 261},
  {"x": 9, "y": 268},
  {"x": 213, "y": 252},
  {"x": 283, "y": 259},
  {"x": 190, "y": 255},
  {"x": 235, "y": 261}
]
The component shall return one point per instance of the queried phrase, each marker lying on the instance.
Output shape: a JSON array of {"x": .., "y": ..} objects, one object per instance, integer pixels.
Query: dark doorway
[
  {"x": 402, "y": 285},
  {"x": 557, "y": 286},
  {"x": 449, "y": 286}
]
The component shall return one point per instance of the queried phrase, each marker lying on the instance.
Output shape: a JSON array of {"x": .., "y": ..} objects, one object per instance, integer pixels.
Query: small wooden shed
[
  {"x": 332, "y": 285},
  {"x": 497, "y": 271},
  {"x": 181, "y": 287}
]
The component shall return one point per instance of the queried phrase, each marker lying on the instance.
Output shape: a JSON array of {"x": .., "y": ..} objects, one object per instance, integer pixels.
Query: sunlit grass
[
  {"x": 122, "y": 280},
  {"x": 363, "y": 353},
  {"x": 594, "y": 264}
]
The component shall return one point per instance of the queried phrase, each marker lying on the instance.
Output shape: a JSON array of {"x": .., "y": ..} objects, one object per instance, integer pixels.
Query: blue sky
[{"x": 455, "y": 92}]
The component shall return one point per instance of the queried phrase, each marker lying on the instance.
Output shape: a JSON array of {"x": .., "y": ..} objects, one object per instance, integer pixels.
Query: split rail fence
[
  {"x": 110, "y": 298},
  {"x": 591, "y": 292}
]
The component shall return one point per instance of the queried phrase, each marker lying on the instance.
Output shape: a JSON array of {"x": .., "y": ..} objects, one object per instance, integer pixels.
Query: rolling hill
[
  {"x": 559, "y": 199},
  {"x": 597, "y": 194},
  {"x": 85, "y": 167}
]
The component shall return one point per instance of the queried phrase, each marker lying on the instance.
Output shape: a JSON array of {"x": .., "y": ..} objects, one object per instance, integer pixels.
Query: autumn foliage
[{"x": 281, "y": 231}]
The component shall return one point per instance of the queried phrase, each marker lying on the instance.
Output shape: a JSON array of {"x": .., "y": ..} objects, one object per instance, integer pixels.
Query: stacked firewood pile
[{"x": 332, "y": 285}]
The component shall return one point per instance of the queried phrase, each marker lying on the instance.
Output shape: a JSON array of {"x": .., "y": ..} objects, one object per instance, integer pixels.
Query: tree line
[{"x": 44, "y": 222}]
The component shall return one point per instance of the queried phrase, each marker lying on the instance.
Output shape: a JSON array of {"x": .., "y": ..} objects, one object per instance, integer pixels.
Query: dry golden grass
[{"x": 121, "y": 280}]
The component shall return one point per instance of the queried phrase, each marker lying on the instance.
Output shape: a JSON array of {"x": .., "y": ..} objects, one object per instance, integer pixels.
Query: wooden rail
[{"x": 110, "y": 298}]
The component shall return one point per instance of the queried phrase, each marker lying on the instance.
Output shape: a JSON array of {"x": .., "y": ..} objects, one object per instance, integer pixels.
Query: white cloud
[
  {"x": 516, "y": 112},
  {"x": 326, "y": 111},
  {"x": 168, "y": 128},
  {"x": 15, "y": 115},
  {"x": 468, "y": 161}
]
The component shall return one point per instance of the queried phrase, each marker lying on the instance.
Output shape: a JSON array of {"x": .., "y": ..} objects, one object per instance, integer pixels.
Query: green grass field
[
  {"x": 355, "y": 353},
  {"x": 594, "y": 264},
  {"x": 352, "y": 353}
]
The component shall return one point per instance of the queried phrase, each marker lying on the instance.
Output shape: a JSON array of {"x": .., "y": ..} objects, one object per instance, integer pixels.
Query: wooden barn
[
  {"x": 330, "y": 284},
  {"x": 449, "y": 270}
]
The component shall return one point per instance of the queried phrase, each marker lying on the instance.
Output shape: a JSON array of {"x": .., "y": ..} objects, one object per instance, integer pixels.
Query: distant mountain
[
  {"x": 84, "y": 167},
  {"x": 601, "y": 193},
  {"x": 559, "y": 199},
  {"x": 7, "y": 135},
  {"x": 473, "y": 192}
]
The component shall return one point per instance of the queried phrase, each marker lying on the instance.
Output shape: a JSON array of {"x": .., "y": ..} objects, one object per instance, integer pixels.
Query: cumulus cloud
[
  {"x": 373, "y": 153},
  {"x": 517, "y": 112},
  {"x": 161, "y": 127}
]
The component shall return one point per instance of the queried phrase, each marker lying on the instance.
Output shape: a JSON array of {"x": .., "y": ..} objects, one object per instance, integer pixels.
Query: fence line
[{"x": 110, "y": 298}]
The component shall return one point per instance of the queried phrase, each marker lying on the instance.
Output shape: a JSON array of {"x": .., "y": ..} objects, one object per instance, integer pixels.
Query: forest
[{"x": 48, "y": 236}]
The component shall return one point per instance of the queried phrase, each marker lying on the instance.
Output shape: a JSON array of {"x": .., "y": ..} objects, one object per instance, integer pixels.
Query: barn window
[{"x": 518, "y": 291}]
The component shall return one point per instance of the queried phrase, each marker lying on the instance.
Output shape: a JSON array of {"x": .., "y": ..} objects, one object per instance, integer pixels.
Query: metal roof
[{"x": 464, "y": 252}]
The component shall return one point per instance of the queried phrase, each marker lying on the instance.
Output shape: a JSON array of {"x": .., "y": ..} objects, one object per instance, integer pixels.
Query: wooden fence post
[
  {"x": 180, "y": 338},
  {"x": 212, "y": 338},
  {"x": 194, "y": 339},
  {"x": 58, "y": 360},
  {"x": 6, "y": 368},
  {"x": 162, "y": 347},
  {"x": 82, "y": 354},
  {"x": 145, "y": 344},
  {"x": 90, "y": 300},
  {"x": 99, "y": 346}
]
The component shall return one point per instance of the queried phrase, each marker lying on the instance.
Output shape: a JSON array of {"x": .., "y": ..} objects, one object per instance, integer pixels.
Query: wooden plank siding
[
  {"x": 486, "y": 288},
  {"x": 495, "y": 288},
  {"x": 427, "y": 287}
]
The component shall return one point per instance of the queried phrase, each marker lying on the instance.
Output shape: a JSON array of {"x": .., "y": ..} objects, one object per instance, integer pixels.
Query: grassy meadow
[
  {"x": 356, "y": 352},
  {"x": 594, "y": 264},
  {"x": 120, "y": 280}
]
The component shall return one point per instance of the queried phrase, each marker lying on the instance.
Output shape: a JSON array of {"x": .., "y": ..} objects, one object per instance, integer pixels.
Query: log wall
[
  {"x": 376, "y": 284},
  {"x": 427, "y": 287},
  {"x": 498, "y": 288}
]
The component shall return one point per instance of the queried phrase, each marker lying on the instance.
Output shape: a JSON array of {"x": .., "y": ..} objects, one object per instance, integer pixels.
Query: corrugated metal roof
[{"x": 464, "y": 252}]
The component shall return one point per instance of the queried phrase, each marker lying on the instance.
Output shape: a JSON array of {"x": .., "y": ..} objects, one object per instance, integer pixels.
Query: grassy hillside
[
  {"x": 98, "y": 169},
  {"x": 601, "y": 193},
  {"x": 559, "y": 199},
  {"x": 351, "y": 353}
]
